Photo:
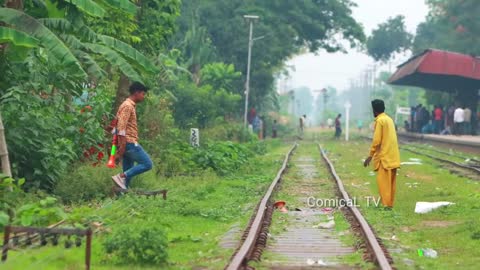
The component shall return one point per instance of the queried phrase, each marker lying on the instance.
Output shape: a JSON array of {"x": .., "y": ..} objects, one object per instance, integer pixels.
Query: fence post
[{"x": 6, "y": 240}]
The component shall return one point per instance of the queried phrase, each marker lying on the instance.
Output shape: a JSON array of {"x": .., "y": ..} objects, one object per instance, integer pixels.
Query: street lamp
[
  {"x": 250, "y": 19},
  {"x": 348, "y": 105}
]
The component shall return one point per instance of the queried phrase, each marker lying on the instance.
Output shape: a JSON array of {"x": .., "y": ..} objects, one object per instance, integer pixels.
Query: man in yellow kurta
[{"x": 385, "y": 153}]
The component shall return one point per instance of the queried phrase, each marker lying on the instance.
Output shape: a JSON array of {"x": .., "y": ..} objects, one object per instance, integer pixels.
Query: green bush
[
  {"x": 42, "y": 213},
  {"x": 138, "y": 245},
  {"x": 85, "y": 183},
  {"x": 11, "y": 195},
  {"x": 223, "y": 157},
  {"x": 46, "y": 132}
]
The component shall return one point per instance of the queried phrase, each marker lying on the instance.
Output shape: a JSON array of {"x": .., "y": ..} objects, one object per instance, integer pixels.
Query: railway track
[
  {"x": 471, "y": 160},
  {"x": 256, "y": 234},
  {"x": 453, "y": 163},
  {"x": 472, "y": 168},
  {"x": 463, "y": 146}
]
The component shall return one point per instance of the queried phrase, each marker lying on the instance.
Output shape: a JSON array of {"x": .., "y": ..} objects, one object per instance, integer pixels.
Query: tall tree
[
  {"x": 388, "y": 38},
  {"x": 287, "y": 28}
]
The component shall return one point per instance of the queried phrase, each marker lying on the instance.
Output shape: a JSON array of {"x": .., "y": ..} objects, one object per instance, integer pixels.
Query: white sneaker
[{"x": 119, "y": 181}]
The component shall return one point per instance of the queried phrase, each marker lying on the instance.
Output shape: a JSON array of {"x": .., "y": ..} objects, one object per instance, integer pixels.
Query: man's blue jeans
[{"x": 135, "y": 153}]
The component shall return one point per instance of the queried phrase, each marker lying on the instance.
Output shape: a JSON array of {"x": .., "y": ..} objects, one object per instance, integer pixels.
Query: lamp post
[
  {"x": 251, "y": 19},
  {"x": 325, "y": 97},
  {"x": 348, "y": 105}
]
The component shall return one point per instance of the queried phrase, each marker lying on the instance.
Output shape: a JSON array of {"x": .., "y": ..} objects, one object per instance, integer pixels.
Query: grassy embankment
[
  {"x": 453, "y": 231},
  {"x": 198, "y": 212}
]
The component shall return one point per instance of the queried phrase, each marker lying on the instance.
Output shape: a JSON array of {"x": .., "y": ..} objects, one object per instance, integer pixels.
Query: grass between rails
[
  {"x": 196, "y": 215},
  {"x": 452, "y": 231},
  {"x": 295, "y": 187}
]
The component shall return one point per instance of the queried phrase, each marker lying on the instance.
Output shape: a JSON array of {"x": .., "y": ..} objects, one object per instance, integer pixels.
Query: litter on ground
[{"x": 425, "y": 207}]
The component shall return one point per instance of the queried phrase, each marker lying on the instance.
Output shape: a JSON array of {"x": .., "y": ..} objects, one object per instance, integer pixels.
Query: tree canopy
[
  {"x": 388, "y": 38},
  {"x": 451, "y": 25},
  {"x": 287, "y": 27}
]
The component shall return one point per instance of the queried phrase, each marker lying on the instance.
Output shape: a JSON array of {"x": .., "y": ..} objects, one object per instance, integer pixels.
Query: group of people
[
  {"x": 383, "y": 152},
  {"x": 442, "y": 120},
  {"x": 258, "y": 125}
]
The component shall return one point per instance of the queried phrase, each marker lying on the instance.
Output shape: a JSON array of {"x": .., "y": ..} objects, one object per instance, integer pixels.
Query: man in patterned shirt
[{"x": 128, "y": 147}]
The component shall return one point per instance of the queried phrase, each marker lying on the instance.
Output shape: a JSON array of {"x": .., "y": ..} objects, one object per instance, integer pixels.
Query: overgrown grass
[
  {"x": 452, "y": 231},
  {"x": 198, "y": 212}
]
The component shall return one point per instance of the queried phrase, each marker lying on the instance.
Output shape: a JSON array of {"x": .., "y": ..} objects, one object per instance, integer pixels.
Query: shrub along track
[{"x": 255, "y": 236}]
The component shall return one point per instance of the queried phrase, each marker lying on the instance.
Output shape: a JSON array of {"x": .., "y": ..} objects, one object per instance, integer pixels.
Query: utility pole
[
  {"x": 348, "y": 105},
  {"x": 250, "y": 19}
]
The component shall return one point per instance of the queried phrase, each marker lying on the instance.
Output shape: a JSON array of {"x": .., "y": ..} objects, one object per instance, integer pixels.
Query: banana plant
[{"x": 72, "y": 43}]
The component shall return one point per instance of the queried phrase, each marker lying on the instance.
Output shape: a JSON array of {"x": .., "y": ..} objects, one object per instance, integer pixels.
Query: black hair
[
  {"x": 137, "y": 87},
  {"x": 378, "y": 106}
]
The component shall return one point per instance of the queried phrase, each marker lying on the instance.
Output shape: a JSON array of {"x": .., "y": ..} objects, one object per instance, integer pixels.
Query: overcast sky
[{"x": 337, "y": 69}]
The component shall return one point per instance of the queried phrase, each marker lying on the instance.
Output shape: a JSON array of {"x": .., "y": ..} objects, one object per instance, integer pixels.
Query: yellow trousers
[{"x": 386, "y": 181}]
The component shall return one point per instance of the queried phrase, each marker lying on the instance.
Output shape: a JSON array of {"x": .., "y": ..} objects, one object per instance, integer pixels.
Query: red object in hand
[
  {"x": 111, "y": 162},
  {"x": 111, "y": 159}
]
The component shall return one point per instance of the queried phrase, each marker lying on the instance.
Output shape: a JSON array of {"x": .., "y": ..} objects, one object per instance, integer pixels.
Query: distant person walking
[
  {"x": 458, "y": 119},
  {"x": 438, "y": 119},
  {"x": 384, "y": 152},
  {"x": 449, "y": 119},
  {"x": 274, "y": 129},
  {"x": 128, "y": 147},
  {"x": 302, "y": 123},
  {"x": 467, "y": 113},
  {"x": 359, "y": 125},
  {"x": 338, "y": 126},
  {"x": 257, "y": 125}
]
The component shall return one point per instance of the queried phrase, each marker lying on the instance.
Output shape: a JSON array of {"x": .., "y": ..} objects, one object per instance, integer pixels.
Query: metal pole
[
  {"x": 247, "y": 83},
  {"x": 348, "y": 105}
]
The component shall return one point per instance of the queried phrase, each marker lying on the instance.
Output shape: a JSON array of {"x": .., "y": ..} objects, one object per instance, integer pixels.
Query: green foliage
[
  {"x": 222, "y": 157},
  {"x": 17, "y": 38},
  {"x": 198, "y": 106},
  {"x": 219, "y": 76},
  {"x": 47, "y": 38},
  {"x": 287, "y": 26},
  {"x": 42, "y": 213},
  {"x": 142, "y": 244},
  {"x": 389, "y": 37},
  {"x": 89, "y": 7},
  {"x": 157, "y": 23},
  {"x": 115, "y": 60},
  {"x": 223, "y": 130},
  {"x": 4, "y": 219},
  {"x": 43, "y": 136},
  {"x": 84, "y": 183},
  {"x": 11, "y": 195},
  {"x": 451, "y": 25},
  {"x": 209, "y": 96}
]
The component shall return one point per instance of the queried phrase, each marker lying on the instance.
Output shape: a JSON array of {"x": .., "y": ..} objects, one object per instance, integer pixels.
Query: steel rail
[
  {"x": 477, "y": 170},
  {"x": 240, "y": 258},
  {"x": 371, "y": 239}
]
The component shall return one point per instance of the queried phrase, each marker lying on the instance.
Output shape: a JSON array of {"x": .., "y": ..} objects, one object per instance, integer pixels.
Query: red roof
[{"x": 439, "y": 70}]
